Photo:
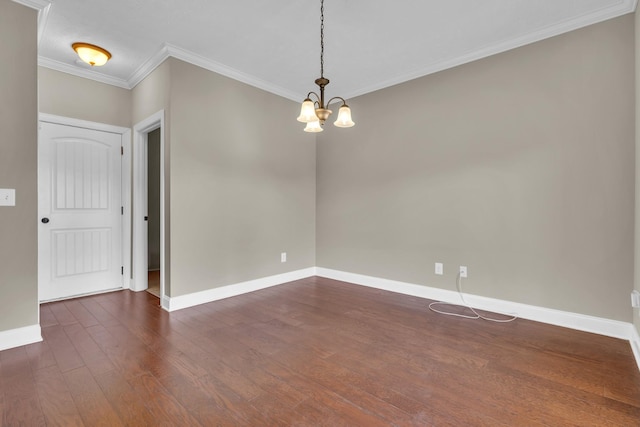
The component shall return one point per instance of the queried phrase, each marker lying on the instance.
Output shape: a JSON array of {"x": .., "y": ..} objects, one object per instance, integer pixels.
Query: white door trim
[
  {"x": 125, "y": 134},
  {"x": 140, "y": 132},
  {"x": 69, "y": 121}
]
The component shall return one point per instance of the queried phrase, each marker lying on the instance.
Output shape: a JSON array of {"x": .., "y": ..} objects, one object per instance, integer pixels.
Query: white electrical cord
[{"x": 476, "y": 315}]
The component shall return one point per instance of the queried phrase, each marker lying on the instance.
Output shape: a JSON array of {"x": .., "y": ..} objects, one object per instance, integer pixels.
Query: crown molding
[
  {"x": 158, "y": 58},
  {"x": 148, "y": 66},
  {"x": 43, "y": 16},
  {"x": 43, "y": 7},
  {"x": 34, "y": 4},
  {"x": 623, "y": 7},
  {"x": 217, "y": 67},
  {"x": 80, "y": 72},
  {"x": 171, "y": 51}
]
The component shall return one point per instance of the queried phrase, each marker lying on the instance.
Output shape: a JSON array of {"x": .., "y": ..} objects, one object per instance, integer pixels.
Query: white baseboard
[
  {"x": 635, "y": 344},
  {"x": 196, "y": 298},
  {"x": 581, "y": 322},
  {"x": 164, "y": 302},
  {"x": 20, "y": 336}
]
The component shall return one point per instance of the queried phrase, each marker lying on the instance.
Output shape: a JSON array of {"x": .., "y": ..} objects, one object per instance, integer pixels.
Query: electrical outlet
[
  {"x": 283, "y": 257},
  {"x": 635, "y": 299},
  {"x": 439, "y": 268},
  {"x": 463, "y": 271},
  {"x": 7, "y": 197}
]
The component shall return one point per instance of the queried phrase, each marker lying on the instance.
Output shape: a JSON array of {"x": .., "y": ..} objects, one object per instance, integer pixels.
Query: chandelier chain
[{"x": 321, "y": 38}]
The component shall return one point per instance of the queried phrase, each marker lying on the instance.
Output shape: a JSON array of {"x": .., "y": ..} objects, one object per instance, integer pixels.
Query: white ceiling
[{"x": 275, "y": 45}]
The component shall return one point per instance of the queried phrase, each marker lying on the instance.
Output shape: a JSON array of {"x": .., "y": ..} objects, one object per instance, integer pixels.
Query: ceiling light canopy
[
  {"x": 91, "y": 54},
  {"x": 314, "y": 113}
]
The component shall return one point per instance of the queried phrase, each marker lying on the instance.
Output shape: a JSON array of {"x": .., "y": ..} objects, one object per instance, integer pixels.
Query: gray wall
[
  {"x": 153, "y": 94},
  {"x": 70, "y": 96},
  {"x": 519, "y": 166},
  {"x": 153, "y": 198},
  {"x": 18, "y": 166},
  {"x": 238, "y": 192},
  {"x": 242, "y": 183},
  {"x": 147, "y": 98}
]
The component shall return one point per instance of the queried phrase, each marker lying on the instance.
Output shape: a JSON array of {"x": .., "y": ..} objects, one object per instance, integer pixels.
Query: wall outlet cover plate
[
  {"x": 439, "y": 269},
  {"x": 7, "y": 197}
]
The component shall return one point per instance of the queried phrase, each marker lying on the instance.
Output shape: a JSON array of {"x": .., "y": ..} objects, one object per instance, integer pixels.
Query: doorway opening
[
  {"x": 153, "y": 211},
  {"x": 149, "y": 207}
]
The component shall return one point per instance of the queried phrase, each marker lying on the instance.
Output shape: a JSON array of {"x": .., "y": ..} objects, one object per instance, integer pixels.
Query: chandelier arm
[
  {"x": 336, "y": 97},
  {"x": 317, "y": 102},
  {"x": 313, "y": 93}
]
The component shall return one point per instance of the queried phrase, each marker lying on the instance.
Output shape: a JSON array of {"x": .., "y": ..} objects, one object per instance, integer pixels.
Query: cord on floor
[{"x": 476, "y": 315}]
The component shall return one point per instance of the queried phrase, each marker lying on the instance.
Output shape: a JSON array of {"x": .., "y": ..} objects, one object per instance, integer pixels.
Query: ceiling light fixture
[
  {"x": 91, "y": 54},
  {"x": 314, "y": 113}
]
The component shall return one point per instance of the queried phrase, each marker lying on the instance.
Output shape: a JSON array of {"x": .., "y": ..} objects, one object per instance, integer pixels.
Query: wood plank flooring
[{"x": 314, "y": 352}]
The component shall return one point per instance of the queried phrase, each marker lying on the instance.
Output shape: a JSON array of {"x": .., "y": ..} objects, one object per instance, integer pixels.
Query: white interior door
[{"x": 79, "y": 202}]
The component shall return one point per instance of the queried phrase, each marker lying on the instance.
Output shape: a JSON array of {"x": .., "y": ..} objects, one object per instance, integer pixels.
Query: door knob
[{"x": 45, "y": 220}]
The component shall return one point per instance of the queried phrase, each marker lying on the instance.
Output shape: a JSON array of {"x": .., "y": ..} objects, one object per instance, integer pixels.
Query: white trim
[
  {"x": 126, "y": 187},
  {"x": 43, "y": 7},
  {"x": 43, "y": 17},
  {"x": 581, "y": 322},
  {"x": 148, "y": 66},
  {"x": 635, "y": 344},
  {"x": 70, "y": 121},
  {"x": 621, "y": 8},
  {"x": 20, "y": 336},
  {"x": 82, "y": 72},
  {"x": 222, "y": 69},
  {"x": 214, "y": 294},
  {"x": 164, "y": 302},
  {"x": 169, "y": 50},
  {"x": 140, "y": 267},
  {"x": 34, "y": 4}
]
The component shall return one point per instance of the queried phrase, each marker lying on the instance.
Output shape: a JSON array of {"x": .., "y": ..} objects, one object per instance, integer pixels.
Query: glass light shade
[
  {"x": 307, "y": 112},
  {"x": 344, "y": 118},
  {"x": 91, "y": 54},
  {"x": 313, "y": 127}
]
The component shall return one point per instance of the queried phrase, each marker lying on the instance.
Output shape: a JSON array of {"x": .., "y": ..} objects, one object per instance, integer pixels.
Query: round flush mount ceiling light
[{"x": 91, "y": 54}]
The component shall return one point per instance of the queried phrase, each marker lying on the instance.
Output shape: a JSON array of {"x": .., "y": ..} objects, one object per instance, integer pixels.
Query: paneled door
[{"x": 79, "y": 204}]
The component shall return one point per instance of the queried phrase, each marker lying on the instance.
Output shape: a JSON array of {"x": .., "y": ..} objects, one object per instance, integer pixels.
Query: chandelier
[{"x": 314, "y": 113}]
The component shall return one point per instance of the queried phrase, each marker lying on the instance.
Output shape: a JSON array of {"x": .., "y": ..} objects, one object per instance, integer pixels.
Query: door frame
[
  {"x": 125, "y": 180},
  {"x": 140, "y": 243}
]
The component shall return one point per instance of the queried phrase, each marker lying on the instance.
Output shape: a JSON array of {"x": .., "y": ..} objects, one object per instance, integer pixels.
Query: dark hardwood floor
[{"x": 315, "y": 352}]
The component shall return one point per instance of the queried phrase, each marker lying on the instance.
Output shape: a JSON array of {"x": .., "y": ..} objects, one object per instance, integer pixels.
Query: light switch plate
[{"x": 7, "y": 197}]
